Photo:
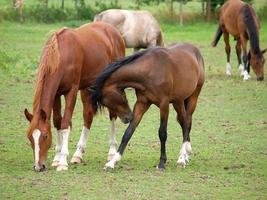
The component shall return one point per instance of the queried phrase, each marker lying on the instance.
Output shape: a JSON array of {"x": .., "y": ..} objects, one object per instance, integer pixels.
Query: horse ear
[
  {"x": 263, "y": 51},
  {"x": 43, "y": 114},
  {"x": 28, "y": 115}
]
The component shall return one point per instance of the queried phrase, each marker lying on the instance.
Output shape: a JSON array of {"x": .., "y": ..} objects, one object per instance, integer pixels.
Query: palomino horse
[
  {"x": 239, "y": 19},
  {"x": 138, "y": 28},
  {"x": 71, "y": 60},
  {"x": 159, "y": 76}
]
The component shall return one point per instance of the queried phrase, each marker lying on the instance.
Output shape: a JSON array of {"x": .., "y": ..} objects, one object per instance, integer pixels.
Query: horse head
[
  {"x": 115, "y": 99},
  {"x": 257, "y": 62},
  {"x": 39, "y": 134}
]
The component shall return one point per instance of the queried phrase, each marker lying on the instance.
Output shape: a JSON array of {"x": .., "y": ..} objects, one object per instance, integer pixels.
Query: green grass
[{"x": 228, "y": 136}]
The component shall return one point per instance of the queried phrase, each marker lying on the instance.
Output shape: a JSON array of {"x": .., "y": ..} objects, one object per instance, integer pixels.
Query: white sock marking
[
  {"x": 82, "y": 143},
  {"x": 228, "y": 69},
  {"x": 36, "y": 136},
  {"x": 64, "y": 150},
  {"x": 184, "y": 154},
  {"x": 58, "y": 148},
  {"x": 112, "y": 140},
  {"x": 246, "y": 75},
  {"x": 113, "y": 161},
  {"x": 241, "y": 69}
]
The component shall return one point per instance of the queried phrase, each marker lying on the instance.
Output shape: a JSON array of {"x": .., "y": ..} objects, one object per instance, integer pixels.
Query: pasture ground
[{"x": 229, "y": 132}]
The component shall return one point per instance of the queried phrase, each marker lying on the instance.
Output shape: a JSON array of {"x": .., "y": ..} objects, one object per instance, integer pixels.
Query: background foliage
[{"x": 64, "y": 10}]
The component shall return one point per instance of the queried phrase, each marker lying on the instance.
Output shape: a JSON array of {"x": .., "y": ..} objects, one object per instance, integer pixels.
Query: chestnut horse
[
  {"x": 70, "y": 61},
  {"x": 239, "y": 19},
  {"x": 160, "y": 76}
]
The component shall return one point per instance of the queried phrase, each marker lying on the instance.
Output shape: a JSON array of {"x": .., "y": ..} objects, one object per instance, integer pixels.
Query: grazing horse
[
  {"x": 239, "y": 19},
  {"x": 70, "y": 61},
  {"x": 138, "y": 28},
  {"x": 160, "y": 76}
]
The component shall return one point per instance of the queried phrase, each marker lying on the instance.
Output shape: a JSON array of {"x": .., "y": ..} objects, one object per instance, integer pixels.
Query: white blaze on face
[{"x": 36, "y": 135}]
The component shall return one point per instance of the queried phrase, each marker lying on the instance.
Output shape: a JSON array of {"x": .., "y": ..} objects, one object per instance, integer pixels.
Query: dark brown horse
[
  {"x": 71, "y": 60},
  {"x": 239, "y": 19},
  {"x": 159, "y": 76}
]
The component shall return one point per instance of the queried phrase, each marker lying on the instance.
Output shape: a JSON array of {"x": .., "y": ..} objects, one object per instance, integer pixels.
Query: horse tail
[
  {"x": 160, "y": 41},
  {"x": 49, "y": 63},
  {"x": 217, "y": 36},
  {"x": 109, "y": 70}
]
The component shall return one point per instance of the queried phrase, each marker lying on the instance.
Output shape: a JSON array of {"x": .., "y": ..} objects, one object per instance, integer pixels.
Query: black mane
[
  {"x": 100, "y": 80},
  {"x": 251, "y": 28}
]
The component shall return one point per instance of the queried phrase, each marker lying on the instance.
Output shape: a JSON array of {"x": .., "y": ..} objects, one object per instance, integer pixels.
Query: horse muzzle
[
  {"x": 39, "y": 168},
  {"x": 260, "y": 78},
  {"x": 127, "y": 118}
]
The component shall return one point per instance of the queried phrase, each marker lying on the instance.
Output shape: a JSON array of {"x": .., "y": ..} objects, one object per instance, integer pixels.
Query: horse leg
[
  {"x": 185, "y": 111},
  {"x": 57, "y": 123},
  {"x": 185, "y": 125},
  {"x": 139, "y": 109},
  {"x": 245, "y": 58},
  {"x": 87, "y": 120},
  {"x": 112, "y": 140},
  {"x": 228, "y": 51},
  {"x": 238, "y": 54},
  {"x": 70, "y": 100},
  {"x": 164, "y": 113}
]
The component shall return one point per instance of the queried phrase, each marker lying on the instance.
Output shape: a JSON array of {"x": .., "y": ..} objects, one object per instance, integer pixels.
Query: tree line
[{"x": 208, "y": 7}]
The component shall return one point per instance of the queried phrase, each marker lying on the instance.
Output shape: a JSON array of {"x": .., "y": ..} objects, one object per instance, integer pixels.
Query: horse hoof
[
  {"x": 62, "y": 167},
  {"x": 110, "y": 156},
  {"x": 109, "y": 166},
  {"x": 181, "y": 162},
  {"x": 228, "y": 73},
  {"x": 161, "y": 169},
  {"x": 76, "y": 160}
]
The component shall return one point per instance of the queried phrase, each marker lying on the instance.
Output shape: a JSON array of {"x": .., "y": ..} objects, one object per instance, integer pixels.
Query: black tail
[
  {"x": 217, "y": 36},
  {"x": 100, "y": 80}
]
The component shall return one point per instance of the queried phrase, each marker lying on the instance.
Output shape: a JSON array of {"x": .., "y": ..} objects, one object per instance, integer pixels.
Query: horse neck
[
  {"x": 128, "y": 76},
  {"x": 252, "y": 29},
  {"x": 45, "y": 95}
]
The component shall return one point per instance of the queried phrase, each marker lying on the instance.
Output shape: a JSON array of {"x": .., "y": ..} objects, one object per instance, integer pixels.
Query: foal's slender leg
[
  {"x": 164, "y": 114},
  {"x": 238, "y": 54},
  {"x": 139, "y": 109},
  {"x": 112, "y": 140},
  {"x": 228, "y": 51},
  {"x": 186, "y": 126},
  {"x": 87, "y": 120},
  {"x": 245, "y": 58},
  {"x": 57, "y": 124},
  {"x": 185, "y": 111},
  {"x": 70, "y": 99}
]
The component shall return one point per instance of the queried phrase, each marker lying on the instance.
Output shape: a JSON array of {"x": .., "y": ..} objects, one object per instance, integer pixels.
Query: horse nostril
[{"x": 260, "y": 78}]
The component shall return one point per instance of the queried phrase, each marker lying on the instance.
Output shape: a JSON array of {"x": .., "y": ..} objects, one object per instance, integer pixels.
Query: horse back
[
  {"x": 102, "y": 44},
  {"x": 232, "y": 17},
  {"x": 86, "y": 51}
]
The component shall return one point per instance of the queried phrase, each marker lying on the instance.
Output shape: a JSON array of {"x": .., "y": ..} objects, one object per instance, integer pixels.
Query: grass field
[{"x": 229, "y": 132}]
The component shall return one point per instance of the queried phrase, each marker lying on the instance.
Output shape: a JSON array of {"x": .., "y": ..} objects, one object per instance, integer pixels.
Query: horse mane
[
  {"x": 100, "y": 80},
  {"x": 251, "y": 28},
  {"x": 49, "y": 63}
]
